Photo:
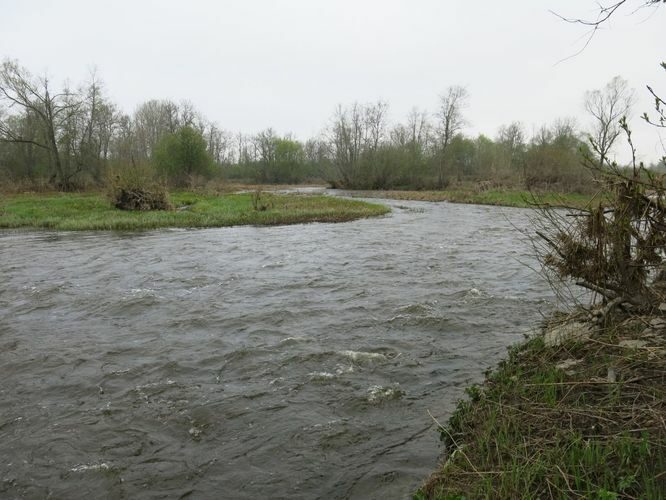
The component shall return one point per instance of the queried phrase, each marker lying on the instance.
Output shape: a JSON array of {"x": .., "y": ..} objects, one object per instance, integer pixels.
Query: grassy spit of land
[
  {"x": 507, "y": 198},
  {"x": 585, "y": 419},
  {"x": 93, "y": 211},
  {"x": 469, "y": 193}
]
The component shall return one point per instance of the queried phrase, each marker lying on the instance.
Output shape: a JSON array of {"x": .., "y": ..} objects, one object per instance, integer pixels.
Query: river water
[{"x": 281, "y": 362}]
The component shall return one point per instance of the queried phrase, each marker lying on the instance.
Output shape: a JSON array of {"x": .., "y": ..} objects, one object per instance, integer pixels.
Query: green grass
[
  {"x": 517, "y": 198},
  {"x": 93, "y": 211},
  {"x": 507, "y": 198},
  {"x": 536, "y": 430}
]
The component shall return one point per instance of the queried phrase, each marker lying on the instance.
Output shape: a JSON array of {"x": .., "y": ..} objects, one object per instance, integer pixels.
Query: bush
[
  {"x": 136, "y": 188},
  {"x": 183, "y": 157},
  {"x": 616, "y": 246}
]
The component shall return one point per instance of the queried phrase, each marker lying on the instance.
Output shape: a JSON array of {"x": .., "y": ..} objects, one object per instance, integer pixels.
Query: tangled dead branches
[
  {"x": 616, "y": 246},
  {"x": 141, "y": 199},
  {"x": 135, "y": 187}
]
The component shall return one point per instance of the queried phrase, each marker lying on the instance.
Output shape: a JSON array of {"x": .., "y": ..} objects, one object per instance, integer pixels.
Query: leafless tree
[
  {"x": 51, "y": 111},
  {"x": 190, "y": 116},
  {"x": 219, "y": 144},
  {"x": 419, "y": 128},
  {"x": 152, "y": 121},
  {"x": 607, "y": 106},
  {"x": 413, "y": 141},
  {"x": 124, "y": 145},
  {"x": 451, "y": 121},
  {"x": 375, "y": 116},
  {"x": 246, "y": 153},
  {"x": 93, "y": 127},
  {"x": 346, "y": 142},
  {"x": 512, "y": 136},
  {"x": 511, "y": 140}
]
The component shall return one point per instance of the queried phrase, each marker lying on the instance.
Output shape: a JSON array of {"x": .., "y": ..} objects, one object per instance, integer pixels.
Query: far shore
[
  {"x": 498, "y": 197},
  {"x": 468, "y": 193}
]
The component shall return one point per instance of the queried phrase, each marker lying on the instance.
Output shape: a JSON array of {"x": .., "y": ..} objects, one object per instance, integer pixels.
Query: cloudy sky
[{"x": 251, "y": 64}]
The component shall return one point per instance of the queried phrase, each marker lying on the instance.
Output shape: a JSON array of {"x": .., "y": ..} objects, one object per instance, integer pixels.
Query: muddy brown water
[{"x": 282, "y": 362}]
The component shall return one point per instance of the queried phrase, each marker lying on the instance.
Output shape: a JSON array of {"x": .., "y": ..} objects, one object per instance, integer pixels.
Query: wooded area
[{"x": 71, "y": 138}]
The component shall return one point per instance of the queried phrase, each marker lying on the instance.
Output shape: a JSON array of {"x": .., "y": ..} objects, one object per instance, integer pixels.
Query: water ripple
[{"x": 297, "y": 361}]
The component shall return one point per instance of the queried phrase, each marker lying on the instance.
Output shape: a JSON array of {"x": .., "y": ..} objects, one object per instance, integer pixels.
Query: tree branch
[
  {"x": 18, "y": 140},
  {"x": 609, "y": 294}
]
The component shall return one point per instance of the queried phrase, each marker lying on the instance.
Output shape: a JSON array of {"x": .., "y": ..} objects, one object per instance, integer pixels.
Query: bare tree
[
  {"x": 375, "y": 116},
  {"x": 419, "y": 128},
  {"x": 219, "y": 144},
  {"x": 511, "y": 141},
  {"x": 246, "y": 153},
  {"x": 346, "y": 142},
  {"x": 20, "y": 90},
  {"x": 512, "y": 136},
  {"x": 123, "y": 144},
  {"x": 93, "y": 127},
  {"x": 451, "y": 122},
  {"x": 414, "y": 138},
  {"x": 607, "y": 106},
  {"x": 152, "y": 121},
  {"x": 190, "y": 116},
  {"x": 264, "y": 143}
]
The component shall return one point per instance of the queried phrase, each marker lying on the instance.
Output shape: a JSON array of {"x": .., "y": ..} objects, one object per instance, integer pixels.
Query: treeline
[{"x": 75, "y": 138}]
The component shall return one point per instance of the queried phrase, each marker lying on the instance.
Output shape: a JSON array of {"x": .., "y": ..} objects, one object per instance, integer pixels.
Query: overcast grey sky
[{"x": 252, "y": 64}]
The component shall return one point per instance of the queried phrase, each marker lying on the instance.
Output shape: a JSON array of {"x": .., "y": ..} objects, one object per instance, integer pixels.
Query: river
[{"x": 252, "y": 362}]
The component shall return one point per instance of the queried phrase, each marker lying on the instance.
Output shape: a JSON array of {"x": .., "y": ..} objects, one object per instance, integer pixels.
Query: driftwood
[{"x": 141, "y": 199}]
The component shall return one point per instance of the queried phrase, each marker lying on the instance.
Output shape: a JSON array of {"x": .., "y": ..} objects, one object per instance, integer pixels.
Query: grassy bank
[
  {"x": 465, "y": 193},
  {"x": 586, "y": 419},
  {"x": 93, "y": 211},
  {"x": 507, "y": 198}
]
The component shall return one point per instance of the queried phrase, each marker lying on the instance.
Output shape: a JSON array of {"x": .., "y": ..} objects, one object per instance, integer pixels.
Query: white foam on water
[
  {"x": 322, "y": 376},
  {"x": 340, "y": 369},
  {"x": 290, "y": 340},
  {"x": 361, "y": 356},
  {"x": 379, "y": 393},
  {"x": 92, "y": 467}
]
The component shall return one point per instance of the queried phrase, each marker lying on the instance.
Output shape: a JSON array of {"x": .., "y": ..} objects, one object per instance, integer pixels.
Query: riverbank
[
  {"x": 93, "y": 211},
  {"x": 506, "y": 198},
  {"x": 467, "y": 194},
  {"x": 582, "y": 419}
]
